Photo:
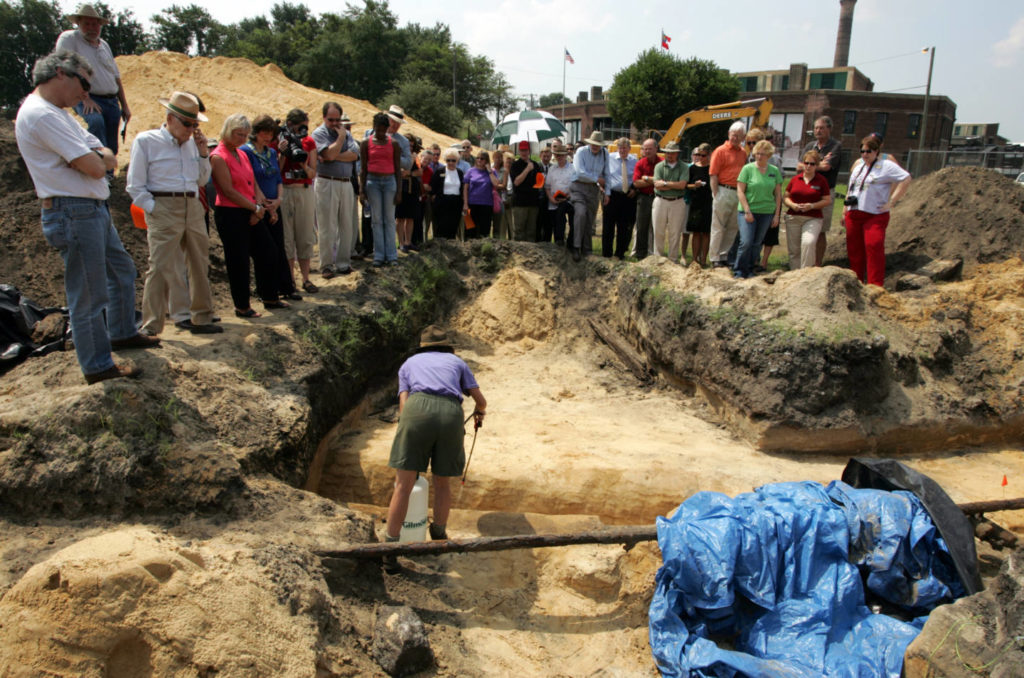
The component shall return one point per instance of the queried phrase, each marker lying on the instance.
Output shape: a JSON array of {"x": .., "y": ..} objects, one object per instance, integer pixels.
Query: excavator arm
[{"x": 760, "y": 109}]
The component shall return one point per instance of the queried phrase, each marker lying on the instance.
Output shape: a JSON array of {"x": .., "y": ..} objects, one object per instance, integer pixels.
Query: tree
[
  {"x": 189, "y": 30},
  {"x": 29, "y": 30},
  {"x": 124, "y": 34},
  {"x": 659, "y": 87},
  {"x": 284, "y": 40},
  {"x": 425, "y": 102},
  {"x": 553, "y": 99}
]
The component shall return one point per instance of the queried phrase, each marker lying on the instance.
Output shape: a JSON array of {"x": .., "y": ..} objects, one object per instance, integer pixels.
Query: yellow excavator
[{"x": 760, "y": 109}]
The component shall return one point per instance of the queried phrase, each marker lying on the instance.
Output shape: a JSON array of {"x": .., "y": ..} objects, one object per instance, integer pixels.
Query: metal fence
[{"x": 1007, "y": 162}]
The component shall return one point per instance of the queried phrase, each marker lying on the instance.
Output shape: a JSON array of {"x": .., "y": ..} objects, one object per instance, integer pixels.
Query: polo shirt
[
  {"x": 645, "y": 168},
  {"x": 437, "y": 373},
  {"x": 681, "y": 172},
  {"x": 324, "y": 136},
  {"x": 726, "y": 163},
  {"x": 800, "y": 191},
  {"x": 760, "y": 187}
]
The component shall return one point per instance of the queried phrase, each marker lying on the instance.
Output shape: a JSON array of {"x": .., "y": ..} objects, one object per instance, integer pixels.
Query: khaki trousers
[
  {"x": 177, "y": 239},
  {"x": 724, "y": 227},
  {"x": 298, "y": 214},
  {"x": 668, "y": 220},
  {"x": 335, "y": 217}
]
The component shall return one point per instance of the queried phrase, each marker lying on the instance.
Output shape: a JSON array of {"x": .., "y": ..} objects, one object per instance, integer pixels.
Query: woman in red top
[
  {"x": 238, "y": 213},
  {"x": 806, "y": 194},
  {"x": 380, "y": 178}
]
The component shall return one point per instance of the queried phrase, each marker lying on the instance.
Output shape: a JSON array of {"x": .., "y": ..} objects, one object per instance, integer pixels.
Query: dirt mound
[
  {"x": 229, "y": 86},
  {"x": 967, "y": 213},
  {"x": 515, "y": 308}
]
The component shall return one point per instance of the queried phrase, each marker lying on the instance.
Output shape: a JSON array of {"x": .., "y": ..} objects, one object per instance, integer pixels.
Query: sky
[{"x": 979, "y": 46}]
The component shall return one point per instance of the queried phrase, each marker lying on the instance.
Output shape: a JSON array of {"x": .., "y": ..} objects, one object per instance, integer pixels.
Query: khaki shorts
[{"x": 430, "y": 431}]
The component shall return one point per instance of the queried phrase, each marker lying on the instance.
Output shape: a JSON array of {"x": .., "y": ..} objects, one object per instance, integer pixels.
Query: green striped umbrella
[{"x": 527, "y": 126}]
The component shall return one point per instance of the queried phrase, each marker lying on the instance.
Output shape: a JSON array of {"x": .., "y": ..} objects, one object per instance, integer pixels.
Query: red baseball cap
[{"x": 524, "y": 144}]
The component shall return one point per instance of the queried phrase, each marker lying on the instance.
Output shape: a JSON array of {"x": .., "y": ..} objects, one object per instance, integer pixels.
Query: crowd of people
[{"x": 276, "y": 190}]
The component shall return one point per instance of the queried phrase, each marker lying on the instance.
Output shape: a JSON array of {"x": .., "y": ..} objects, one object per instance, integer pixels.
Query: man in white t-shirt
[
  {"x": 68, "y": 167},
  {"x": 105, "y": 104}
]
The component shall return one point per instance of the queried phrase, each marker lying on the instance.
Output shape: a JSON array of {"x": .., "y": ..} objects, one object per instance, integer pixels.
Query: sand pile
[
  {"x": 515, "y": 308},
  {"x": 229, "y": 86},
  {"x": 967, "y": 213}
]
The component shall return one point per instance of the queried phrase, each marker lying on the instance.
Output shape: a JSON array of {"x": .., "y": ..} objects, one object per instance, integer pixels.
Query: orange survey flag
[
  {"x": 540, "y": 180},
  {"x": 470, "y": 224},
  {"x": 138, "y": 217}
]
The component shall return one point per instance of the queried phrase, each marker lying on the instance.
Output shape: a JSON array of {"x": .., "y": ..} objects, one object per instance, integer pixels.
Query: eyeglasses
[
  {"x": 187, "y": 123},
  {"x": 808, "y": 162},
  {"x": 866, "y": 150},
  {"x": 450, "y": 160},
  {"x": 700, "y": 155}
]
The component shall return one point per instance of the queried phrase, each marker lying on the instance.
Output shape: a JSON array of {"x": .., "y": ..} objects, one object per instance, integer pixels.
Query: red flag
[
  {"x": 1004, "y": 481},
  {"x": 665, "y": 40}
]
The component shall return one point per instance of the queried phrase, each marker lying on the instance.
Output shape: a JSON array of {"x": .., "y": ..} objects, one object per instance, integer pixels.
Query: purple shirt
[
  {"x": 480, "y": 186},
  {"x": 436, "y": 373}
]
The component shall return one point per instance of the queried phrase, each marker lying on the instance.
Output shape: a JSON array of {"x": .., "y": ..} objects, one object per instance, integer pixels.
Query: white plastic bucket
[{"x": 414, "y": 528}]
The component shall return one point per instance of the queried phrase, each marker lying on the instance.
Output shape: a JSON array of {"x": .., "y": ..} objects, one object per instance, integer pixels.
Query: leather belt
[
  {"x": 103, "y": 96},
  {"x": 173, "y": 194},
  {"x": 731, "y": 188},
  {"x": 303, "y": 185},
  {"x": 50, "y": 203},
  {"x": 322, "y": 176},
  {"x": 663, "y": 197}
]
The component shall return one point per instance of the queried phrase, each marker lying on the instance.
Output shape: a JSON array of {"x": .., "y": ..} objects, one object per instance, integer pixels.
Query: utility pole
[{"x": 924, "y": 114}]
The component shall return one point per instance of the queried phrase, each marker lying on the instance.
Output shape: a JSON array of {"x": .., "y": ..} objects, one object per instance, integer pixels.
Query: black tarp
[
  {"x": 952, "y": 524},
  {"x": 18, "y": 317}
]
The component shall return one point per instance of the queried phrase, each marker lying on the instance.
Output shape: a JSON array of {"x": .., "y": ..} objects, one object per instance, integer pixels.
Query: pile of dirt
[{"x": 968, "y": 213}]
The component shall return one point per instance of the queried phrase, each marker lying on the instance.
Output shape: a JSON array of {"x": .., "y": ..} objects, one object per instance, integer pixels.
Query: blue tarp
[{"x": 779, "y": 575}]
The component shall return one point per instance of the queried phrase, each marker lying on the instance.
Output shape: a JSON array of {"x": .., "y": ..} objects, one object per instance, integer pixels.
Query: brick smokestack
[{"x": 842, "y": 57}]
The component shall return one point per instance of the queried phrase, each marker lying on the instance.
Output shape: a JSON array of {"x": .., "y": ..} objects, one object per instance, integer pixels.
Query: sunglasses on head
[{"x": 81, "y": 80}]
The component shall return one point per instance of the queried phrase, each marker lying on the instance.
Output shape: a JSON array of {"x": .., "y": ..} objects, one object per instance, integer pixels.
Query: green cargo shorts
[{"x": 430, "y": 431}]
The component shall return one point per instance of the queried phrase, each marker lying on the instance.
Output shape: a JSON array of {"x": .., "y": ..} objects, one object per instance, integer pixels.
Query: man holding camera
[
  {"x": 831, "y": 151},
  {"x": 298, "y": 205},
  {"x": 337, "y": 153}
]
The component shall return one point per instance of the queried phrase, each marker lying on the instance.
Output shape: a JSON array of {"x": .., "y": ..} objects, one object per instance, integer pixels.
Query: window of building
[
  {"x": 956, "y": 131},
  {"x": 881, "y": 123},
  {"x": 974, "y": 130},
  {"x": 830, "y": 80},
  {"x": 913, "y": 125},
  {"x": 849, "y": 122},
  {"x": 748, "y": 83},
  {"x": 780, "y": 83}
]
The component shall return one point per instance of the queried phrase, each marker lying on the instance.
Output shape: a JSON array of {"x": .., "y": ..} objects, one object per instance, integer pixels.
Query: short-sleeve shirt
[
  {"x": 265, "y": 169},
  {"x": 833, "y": 150},
  {"x": 324, "y": 136},
  {"x": 290, "y": 168},
  {"x": 662, "y": 172},
  {"x": 104, "y": 69},
  {"x": 481, "y": 190},
  {"x": 645, "y": 168},
  {"x": 437, "y": 373},
  {"x": 802, "y": 192},
  {"x": 726, "y": 163},
  {"x": 524, "y": 195},
  {"x": 49, "y": 138},
  {"x": 760, "y": 187},
  {"x": 872, "y": 184}
]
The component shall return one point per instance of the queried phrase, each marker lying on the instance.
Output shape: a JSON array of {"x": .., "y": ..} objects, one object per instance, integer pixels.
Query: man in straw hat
[
  {"x": 106, "y": 103},
  {"x": 431, "y": 385},
  {"x": 68, "y": 167},
  {"x": 670, "y": 210},
  {"x": 167, "y": 169},
  {"x": 591, "y": 165}
]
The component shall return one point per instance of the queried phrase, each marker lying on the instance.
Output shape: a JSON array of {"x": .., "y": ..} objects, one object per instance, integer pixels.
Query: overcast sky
[{"x": 979, "y": 45}]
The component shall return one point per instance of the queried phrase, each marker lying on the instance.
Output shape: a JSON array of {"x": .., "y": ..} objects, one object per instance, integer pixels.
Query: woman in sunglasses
[
  {"x": 806, "y": 195},
  {"x": 446, "y": 192},
  {"x": 699, "y": 189},
  {"x": 875, "y": 185}
]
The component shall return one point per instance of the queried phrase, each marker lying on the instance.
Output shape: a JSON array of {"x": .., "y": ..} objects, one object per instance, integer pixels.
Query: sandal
[
  {"x": 310, "y": 287},
  {"x": 276, "y": 304},
  {"x": 247, "y": 313}
]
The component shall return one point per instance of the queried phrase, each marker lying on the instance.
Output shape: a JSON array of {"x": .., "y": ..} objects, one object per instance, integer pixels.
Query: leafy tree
[
  {"x": 189, "y": 30},
  {"x": 553, "y": 99},
  {"x": 427, "y": 103},
  {"x": 659, "y": 87},
  {"x": 124, "y": 34},
  {"x": 29, "y": 30},
  {"x": 283, "y": 40}
]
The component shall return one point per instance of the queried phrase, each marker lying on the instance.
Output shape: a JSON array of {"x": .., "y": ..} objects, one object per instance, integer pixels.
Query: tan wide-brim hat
[
  {"x": 185, "y": 105},
  {"x": 397, "y": 114},
  {"x": 672, "y": 147},
  {"x": 559, "y": 149},
  {"x": 89, "y": 11},
  {"x": 434, "y": 336},
  {"x": 596, "y": 139}
]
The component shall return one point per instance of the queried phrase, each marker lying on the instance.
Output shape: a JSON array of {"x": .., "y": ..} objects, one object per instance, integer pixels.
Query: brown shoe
[
  {"x": 138, "y": 341},
  {"x": 114, "y": 372}
]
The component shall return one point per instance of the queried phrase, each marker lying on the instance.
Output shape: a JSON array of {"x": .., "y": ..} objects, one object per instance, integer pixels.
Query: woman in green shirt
[{"x": 759, "y": 188}]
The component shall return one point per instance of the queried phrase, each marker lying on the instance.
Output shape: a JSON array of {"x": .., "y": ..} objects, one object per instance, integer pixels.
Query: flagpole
[{"x": 565, "y": 51}]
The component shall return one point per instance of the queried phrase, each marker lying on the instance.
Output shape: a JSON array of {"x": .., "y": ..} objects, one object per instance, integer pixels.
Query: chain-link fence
[{"x": 1007, "y": 162}]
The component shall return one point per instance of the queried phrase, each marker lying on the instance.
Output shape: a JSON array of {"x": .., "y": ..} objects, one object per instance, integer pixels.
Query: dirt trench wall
[{"x": 785, "y": 384}]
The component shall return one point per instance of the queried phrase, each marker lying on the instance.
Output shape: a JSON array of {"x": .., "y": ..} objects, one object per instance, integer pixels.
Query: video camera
[{"x": 294, "y": 152}]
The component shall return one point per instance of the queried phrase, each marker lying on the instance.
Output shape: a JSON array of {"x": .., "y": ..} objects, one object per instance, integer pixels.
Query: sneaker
[{"x": 438, "y": 532}]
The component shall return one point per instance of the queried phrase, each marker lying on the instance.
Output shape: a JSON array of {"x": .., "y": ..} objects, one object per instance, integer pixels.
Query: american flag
[
  {"x": 568, "y": 57},
  {"x": 665, "y": 40}
]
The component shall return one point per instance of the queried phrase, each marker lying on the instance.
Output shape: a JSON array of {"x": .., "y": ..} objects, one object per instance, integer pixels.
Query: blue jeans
[
  {"x": 98, "y": 275},
  {"x": 751, "y": 237},
  {"x": 380, "y": 192},
  {"x": 103, "y": 125}
]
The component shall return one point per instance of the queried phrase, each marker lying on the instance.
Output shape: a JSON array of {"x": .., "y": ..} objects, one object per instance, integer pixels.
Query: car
[{"x": 1020, "y": 178}]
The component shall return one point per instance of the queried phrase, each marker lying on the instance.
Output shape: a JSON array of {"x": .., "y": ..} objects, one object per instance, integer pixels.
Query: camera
[
  {"x": 295, "y": 152},
  {"x": 851, "y": 201}
]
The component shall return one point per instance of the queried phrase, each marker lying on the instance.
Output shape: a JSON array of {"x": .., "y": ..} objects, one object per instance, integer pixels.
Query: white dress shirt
[{"x": 159, "y": 163}]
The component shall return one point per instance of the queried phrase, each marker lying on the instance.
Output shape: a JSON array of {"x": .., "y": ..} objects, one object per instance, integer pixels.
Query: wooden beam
[
  {"x": 629, "y": 355},
  {"x": 628, "y": 536}
]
